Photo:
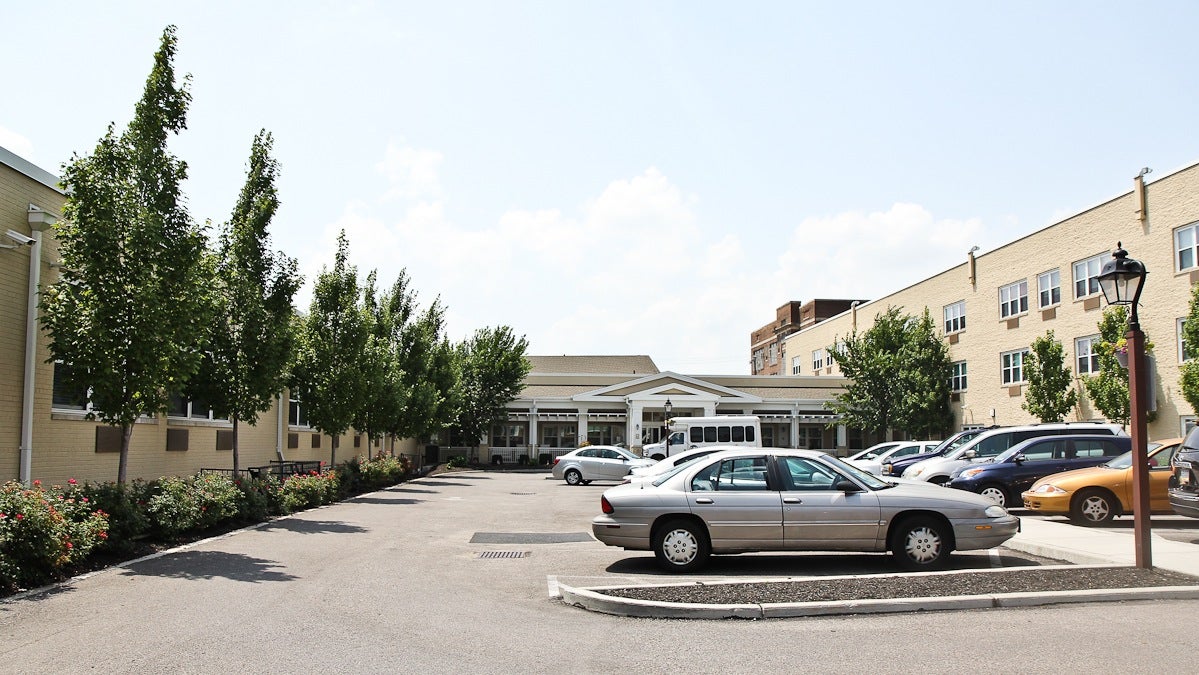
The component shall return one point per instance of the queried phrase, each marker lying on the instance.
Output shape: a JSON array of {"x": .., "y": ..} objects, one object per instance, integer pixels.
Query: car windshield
[
  {"x": 865, "y": 477},
  {"x": 628, "y": 454},
  {"x": 669, "y": 474},
  {"x": 956, "y": 441}
]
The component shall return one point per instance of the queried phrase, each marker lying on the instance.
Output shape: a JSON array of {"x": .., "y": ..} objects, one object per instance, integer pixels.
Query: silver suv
[{"x": 990, "y": 443}]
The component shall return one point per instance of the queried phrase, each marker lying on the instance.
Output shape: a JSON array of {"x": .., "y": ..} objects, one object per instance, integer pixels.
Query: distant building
[{"x": 767, "y": 353}]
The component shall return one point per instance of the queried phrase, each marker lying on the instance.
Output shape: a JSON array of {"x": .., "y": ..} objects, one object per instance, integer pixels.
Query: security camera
[{"x": 18, "y": 237}]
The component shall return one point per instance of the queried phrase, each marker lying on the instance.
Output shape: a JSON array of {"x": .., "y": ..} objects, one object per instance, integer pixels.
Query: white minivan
[{"x": 696, "y": 432}]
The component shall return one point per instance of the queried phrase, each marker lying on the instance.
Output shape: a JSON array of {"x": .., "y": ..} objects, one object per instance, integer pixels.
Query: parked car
[
  {"x": 1183, "y": 492},
  {"x": 873, "y": 462},
  {"x": 895, "y": 466},
  {"x": 1014, "y": 470},
  {"x": 644, "y": 473},
  {"x": 873, "y": 450},
  {"x": 1098, "y": 494},
  {"x": 596, "y": 462},
  {"x": 990, "y": 443},
  {"x": 770, "y": 499}
]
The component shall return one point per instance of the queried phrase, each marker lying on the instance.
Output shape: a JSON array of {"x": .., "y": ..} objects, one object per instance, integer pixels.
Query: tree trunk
[
  {"x": 332, "y": 451},
  {"x": 236, "y": 458},
  {"x": 123, "y": 464}
]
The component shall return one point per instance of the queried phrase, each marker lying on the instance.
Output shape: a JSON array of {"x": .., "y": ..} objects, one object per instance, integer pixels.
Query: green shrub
[
  {"x": 43, "y": 533},
  {"x": 456, "y": 462},
  {"x": 126, "y": 509},
  {"x": 310, "y": 490},
  {"x": 382, "y": 471},
  {"x": 218, "y": 497},
  {"x": 262, "y": 498},
  {"x": 174, "y": 508}
]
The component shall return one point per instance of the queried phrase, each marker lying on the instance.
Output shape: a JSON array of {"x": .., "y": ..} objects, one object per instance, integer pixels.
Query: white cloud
[
  {"x": 633, "y": 270},
  {"x": 17, "y": 144}
]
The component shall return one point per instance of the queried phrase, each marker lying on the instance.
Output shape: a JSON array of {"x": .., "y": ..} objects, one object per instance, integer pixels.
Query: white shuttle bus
[{"x": 696, "y": 432}]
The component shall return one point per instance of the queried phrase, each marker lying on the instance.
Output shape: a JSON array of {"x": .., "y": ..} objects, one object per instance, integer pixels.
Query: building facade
[
  {"x": 993, "y": 305},
  {"x": 768, "y": 344}
]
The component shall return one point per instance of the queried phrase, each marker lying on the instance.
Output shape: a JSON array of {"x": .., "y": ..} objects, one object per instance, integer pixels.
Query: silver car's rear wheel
[
  {"x": 681, "y": 546},
  {"x": 573, "y": 477},
  {"x": 920, "y": 544}
]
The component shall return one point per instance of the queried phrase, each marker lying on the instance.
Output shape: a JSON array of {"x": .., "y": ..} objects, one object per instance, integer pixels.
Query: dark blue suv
[{"x": 1003, "y": 478}]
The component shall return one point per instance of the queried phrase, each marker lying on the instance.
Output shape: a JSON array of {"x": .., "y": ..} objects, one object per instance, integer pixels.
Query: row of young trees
[
  {"x": 144, "y": 310},
  {"x": 899, "y": 374}
]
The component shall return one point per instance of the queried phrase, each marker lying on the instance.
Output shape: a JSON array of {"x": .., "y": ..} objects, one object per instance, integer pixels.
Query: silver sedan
[
  {"x": 758, "y": 499},
  {"x": 597, "y": 462}
]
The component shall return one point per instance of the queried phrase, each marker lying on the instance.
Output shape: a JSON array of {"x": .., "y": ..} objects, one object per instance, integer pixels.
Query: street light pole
[
  {"x": 666, "y": 428},
  {"x": 1122, "y": 280}
]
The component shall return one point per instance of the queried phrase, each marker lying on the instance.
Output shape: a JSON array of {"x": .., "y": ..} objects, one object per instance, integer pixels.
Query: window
[
  {"x": 509, "y": 435},
  {"x": 817, "y": 360},
  {"x": 196, "y": 409},
  {"x": 1086, "y": 354},
  {"x": 296, "y": 416},
  {"x": 1186, "y": 423},
  {"x": 1049, "y": 288},
  {"x": 65, "y": 396},
  {"x": 558, "y": 434},
  {"x": 1013, "y": 299},
  {"x": 955, "y": 317},
  {"x": 758, "y": 362},
  {"x": 807, "y": 475},
  {"x": 828, "y": 356},
  {"x": 774, "y": 354},
  {"x": 740, "y": 474},
  {"x": 1086, "y": 275},
  {"x": 957, "y": 377},
  {"x": 1186, "y": 246},
  {"x": 1183, "y": 354},
  {"x": 794, "y": 365},
  {"x": 1013, "y": 366}
]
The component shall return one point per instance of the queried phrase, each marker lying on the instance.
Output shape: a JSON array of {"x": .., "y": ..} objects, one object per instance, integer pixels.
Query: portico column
[
  {"x": 582, "y": 429},
  {"x": 633, "y": 426},
  {"x": 533, "y": 434},
  {"x": 795, "y": 427}
]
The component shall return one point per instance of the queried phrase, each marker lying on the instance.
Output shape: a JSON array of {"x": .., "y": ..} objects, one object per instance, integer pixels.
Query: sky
[{"x": 631, "y": 177}]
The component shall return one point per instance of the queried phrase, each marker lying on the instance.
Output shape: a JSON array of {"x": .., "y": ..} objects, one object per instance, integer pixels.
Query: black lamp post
[
  {"x": 666, "y": 429},
  {"x": 1122, "y": 280}
]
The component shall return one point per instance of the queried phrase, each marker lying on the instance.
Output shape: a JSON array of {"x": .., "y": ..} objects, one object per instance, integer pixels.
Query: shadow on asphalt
[
  {"x": 383, "y": 500},
  {"x": 442, "y": 483},
  {"x": 210, "y": 565},
  {"x": 399, "y": 489},
  {"x": 814, "y": 564},
  {"x": 302, "y": 526}
]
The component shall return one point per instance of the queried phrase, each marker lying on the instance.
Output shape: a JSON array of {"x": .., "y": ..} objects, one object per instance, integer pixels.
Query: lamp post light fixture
[
  {"x": 666, "y": 428},
  {"x": 1122, "y": 280}
]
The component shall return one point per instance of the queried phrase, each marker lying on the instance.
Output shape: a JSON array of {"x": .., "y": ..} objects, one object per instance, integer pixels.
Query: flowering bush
[
  {"x": 382, "y": 471},
  {"x": 125, "y": 506},
  {"x": 262, "y": 498},
  {"x": 43, "y": 532},
  {"x": 196, "y": 503},
  {"x": 456, "y": 462},
  {"x": 309, "y": 490}
]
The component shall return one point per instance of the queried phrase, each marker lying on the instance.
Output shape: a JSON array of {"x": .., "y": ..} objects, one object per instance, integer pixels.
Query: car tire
[
  {"x": 1093, "y": 507},
  {"x": 681, "y": 546},
  {"x": 586, "y": 482},
  {"x": 658, "y": 457},
  {"x": 573, "y": 477},
  {"x": 921, "y": 543},
  {"x": 995, "y": 493},
  {"x": 939, "y": 480}
]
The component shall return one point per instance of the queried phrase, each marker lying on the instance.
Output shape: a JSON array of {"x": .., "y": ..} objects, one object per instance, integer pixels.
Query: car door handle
[
  {"x": 792, "y": 500},
  {"x": 703, "y": 500}
]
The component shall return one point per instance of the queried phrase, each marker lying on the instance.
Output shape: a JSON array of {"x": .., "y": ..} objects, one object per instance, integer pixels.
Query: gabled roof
[
  {"x": 614, "y": 365},
  {"x": 27, "y": 168}
]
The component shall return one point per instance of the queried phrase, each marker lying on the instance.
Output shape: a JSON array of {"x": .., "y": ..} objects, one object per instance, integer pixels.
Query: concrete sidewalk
[
  {"x": 1096, "y": 546},
  {"x": 1046, "y": 539}
]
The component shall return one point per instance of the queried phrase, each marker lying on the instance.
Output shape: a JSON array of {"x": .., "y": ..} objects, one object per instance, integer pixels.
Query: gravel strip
[{"x": 885, "y": 587}]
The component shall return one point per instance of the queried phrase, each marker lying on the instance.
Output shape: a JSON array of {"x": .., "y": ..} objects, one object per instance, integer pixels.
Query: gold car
[{"x": 1095, "y": 495}]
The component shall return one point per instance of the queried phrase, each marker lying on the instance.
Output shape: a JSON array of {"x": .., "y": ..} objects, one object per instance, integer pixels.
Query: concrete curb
[{"x": 593, "y": 599}]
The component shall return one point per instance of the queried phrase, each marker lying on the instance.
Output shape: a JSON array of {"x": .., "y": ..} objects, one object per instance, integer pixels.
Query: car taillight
[
  {"x": 606, "y": 505},
  {"x": 555, "y": 462}
]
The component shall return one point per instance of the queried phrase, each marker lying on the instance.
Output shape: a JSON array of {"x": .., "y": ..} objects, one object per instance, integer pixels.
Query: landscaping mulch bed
[{"x": 886, "y": 587}]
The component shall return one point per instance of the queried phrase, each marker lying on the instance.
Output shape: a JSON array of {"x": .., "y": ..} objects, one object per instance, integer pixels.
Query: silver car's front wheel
[
  {"x": 573, "y": 477},
  {"x": 920, "y": 544},
  {"x": 681, "y": 546}
]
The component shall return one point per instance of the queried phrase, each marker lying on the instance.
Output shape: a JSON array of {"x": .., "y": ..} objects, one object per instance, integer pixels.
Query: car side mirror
[
  {"x": 1019, "y": 458},
  {"x": 846, "y": 486},
  {"x": 969, "y": 454}
]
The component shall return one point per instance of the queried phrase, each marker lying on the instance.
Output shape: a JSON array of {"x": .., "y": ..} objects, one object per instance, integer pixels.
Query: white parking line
[
  {"x": 995, "y": 559},
  {"x": 552, "y": 582}
]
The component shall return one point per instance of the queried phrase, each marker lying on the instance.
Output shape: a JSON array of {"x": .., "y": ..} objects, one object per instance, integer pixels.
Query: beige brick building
[
  {"x": 44, "y": 431},
  {"x": 993, "y": 305}
]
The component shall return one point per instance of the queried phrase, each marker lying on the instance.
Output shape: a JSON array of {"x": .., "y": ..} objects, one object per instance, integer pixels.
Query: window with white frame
[
  {"x": 1086, "y": 354},
  {"x": 1013, "y": 299},
  {"x": 1049, "y": 288},
  {"x": 828, "y": 356},
  {"x": 794, "y": 365},
  {"x": 1186, "y": 247},
  {"x": 66, "y": 396},
  {"x": 774, "y": 354},
  {"x": 758, "y": 363},
  {"x": 1086, "y": 275},
  {"x": 196, "y": 409},
  {"x": 957, "y": 377},
  {"x": 296, "y": 415},
  {"x": 955, "y": 317},
  {"x": 1183, "y": 354},
  {"x": 817, "y": 360},
  {"x": 1012, "y": 366}
]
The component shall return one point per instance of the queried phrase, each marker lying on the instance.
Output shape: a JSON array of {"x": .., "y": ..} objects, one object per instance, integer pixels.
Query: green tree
[
  {"x": 1108, "y": 390},
  {"x": 127, "y": 316},
  {"x": 428, "y": 368},
  {"x": 382, "y": 389},
  {"x": 924, "y": 372},
  {"x": 871, "y": 362},
  {"x": 1050, "y": 395},
  {"x": 250, "y": 342},
  {"x": 328, "y": 374},
  {"x": 493, "y": 372},
  {"x": 1190, "y": 339}
]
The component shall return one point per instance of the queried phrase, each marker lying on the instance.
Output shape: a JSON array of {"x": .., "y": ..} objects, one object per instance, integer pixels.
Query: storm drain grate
[
  {"x": 496, "y": 555},
  {"x": 523, "y": 494}
]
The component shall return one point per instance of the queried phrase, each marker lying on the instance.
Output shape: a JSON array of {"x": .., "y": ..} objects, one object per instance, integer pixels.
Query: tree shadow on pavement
[
  {"x": 812, "y": 564},
  {"x": 442, "y": 483},
  {"x": 382, "y": 500},
  {"x": 210, "y": 565},
  {"x": 302, "y": 526},
  {"x": 398, "y": 489}
]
